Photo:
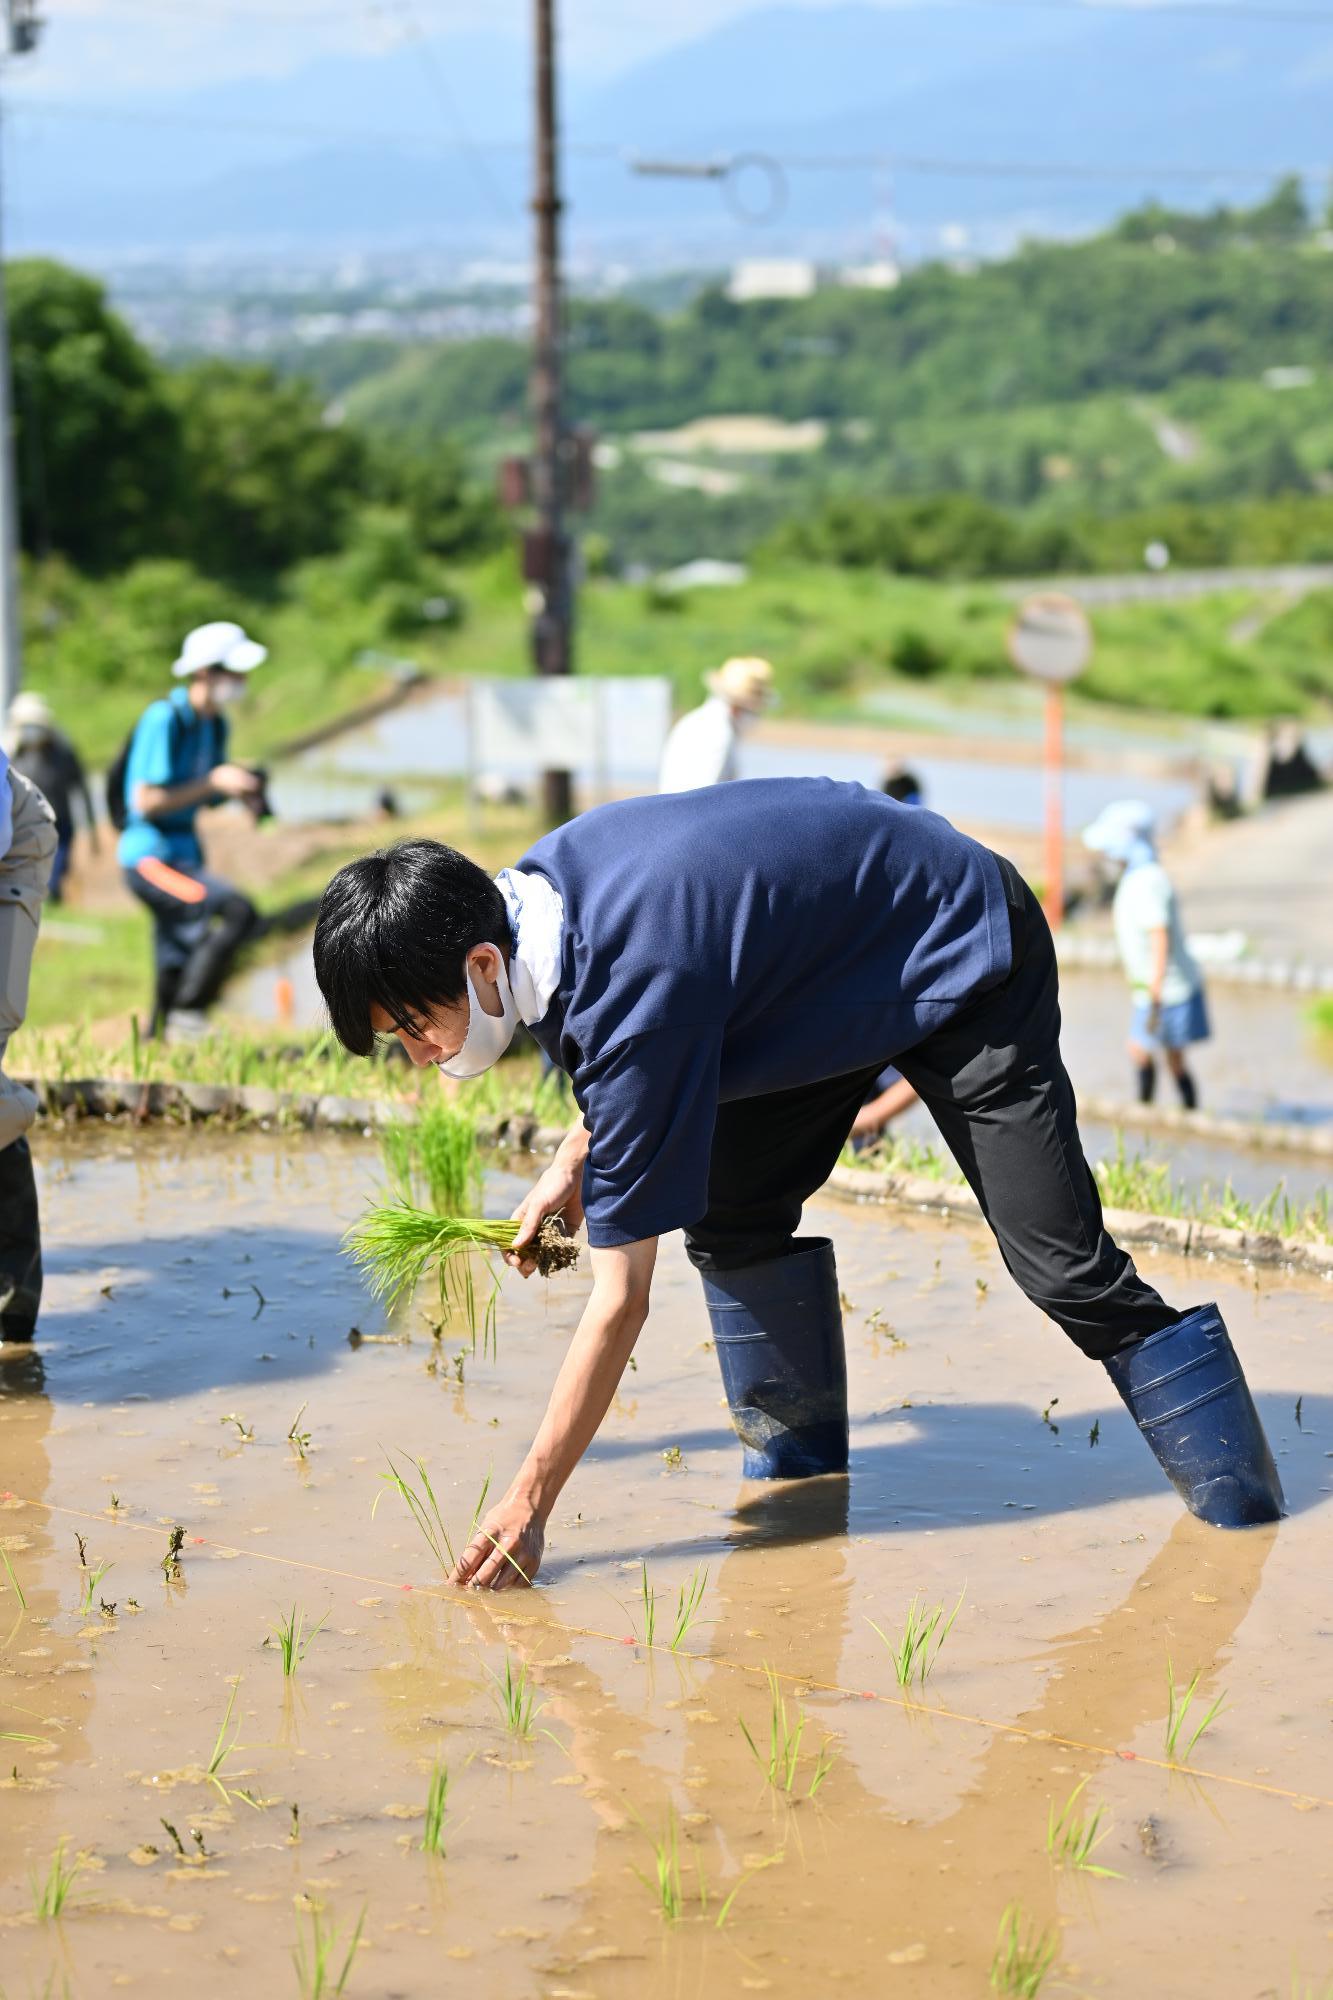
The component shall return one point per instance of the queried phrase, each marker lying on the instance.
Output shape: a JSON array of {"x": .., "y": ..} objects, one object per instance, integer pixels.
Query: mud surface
[{"x": 196, "y": 1280}]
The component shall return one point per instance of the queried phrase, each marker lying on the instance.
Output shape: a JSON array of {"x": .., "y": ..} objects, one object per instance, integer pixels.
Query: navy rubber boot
[
  {"x": 777, "y": 1328},
  {"x": 1186, "y": 1391}
]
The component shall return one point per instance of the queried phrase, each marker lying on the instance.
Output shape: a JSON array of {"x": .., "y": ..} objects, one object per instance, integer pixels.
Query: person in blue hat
[
  {"x": 722, "y": 974},
  {"x": 1169, "y": 1005}
]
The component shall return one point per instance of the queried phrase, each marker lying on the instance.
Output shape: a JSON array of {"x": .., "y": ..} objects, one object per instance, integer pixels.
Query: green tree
[
  {"x": 96, "y": 437},
  {"x": 266, "y": 481}
]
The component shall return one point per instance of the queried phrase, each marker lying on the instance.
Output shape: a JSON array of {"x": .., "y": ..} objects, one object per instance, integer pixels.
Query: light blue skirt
[{"x": 1177, "y": 1026}]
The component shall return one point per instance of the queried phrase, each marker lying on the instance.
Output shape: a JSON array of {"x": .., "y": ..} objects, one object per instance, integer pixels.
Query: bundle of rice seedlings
[{"x": 396, "y": 1244}]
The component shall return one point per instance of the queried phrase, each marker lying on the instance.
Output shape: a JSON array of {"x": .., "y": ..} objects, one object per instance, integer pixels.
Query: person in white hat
[
  {"x": 1169, "y": 1004},
  {"x": 175, "y": 763},
  {"x": 44, "y": 755},
  {"x": 701, "y": 749}
]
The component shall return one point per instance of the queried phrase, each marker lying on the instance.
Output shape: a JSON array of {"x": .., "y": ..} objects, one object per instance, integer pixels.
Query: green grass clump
[
  {"x": 437, "y": 1154},
  {"x": 317, "y": 1973},
  {"x": 1022, "y": 1956},
  {"x": 1072, "y": 1837},
  {"x": 1179, "y": 1703},
  {"x": 923, "y": 1635}
]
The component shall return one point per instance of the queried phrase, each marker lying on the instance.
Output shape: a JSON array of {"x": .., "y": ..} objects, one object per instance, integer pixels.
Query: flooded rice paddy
[{"x": 197, "y": 1302}]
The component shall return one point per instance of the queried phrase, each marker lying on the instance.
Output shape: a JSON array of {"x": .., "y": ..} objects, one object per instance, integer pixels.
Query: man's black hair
[{"x": 394, "y": 930}]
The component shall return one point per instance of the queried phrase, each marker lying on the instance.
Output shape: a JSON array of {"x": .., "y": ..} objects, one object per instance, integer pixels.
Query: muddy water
[{"x": 193, "y": 1281}]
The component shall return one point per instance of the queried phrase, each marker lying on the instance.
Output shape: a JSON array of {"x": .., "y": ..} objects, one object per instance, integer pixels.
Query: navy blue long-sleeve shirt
[{"x": 743, "y": 939}]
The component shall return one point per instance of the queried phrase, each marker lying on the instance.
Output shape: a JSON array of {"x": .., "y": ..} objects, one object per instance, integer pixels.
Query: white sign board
[
  {"x": 1050, "y": 638},
  {"x": 609, "y": 730}
]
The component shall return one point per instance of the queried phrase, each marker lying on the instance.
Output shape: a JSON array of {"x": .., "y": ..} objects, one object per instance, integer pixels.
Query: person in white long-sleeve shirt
[
  {"x": 27, "y": 848},
  {"x": 701, "y": 749}
]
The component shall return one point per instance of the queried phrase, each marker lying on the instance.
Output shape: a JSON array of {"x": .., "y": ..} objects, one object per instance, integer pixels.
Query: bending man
[{"x": 722, "y": 974}]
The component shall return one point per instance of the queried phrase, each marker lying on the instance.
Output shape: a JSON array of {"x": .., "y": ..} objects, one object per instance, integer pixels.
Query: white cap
[
  {"x": 29, "y": 711},
  {"x": 744, "y": 683},
  {"x": 221, "y": 644},
  {"x": 1119, "y": 828}
]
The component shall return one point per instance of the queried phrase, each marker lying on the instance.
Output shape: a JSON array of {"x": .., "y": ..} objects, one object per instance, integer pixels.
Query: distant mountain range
[{"x": 1077, "y": 113}]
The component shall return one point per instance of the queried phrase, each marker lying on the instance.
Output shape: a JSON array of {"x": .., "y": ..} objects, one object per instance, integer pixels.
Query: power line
[
  {"x": 868, "y": 162},
  {"x": 432, "y": 70}
]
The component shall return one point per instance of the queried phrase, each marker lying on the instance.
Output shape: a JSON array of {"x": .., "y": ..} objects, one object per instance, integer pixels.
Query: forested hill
[{"x": 1162, "y": 300}]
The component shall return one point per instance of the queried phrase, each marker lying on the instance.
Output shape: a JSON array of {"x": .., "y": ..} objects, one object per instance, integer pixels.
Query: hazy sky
[{"x": 95, "y": 46}]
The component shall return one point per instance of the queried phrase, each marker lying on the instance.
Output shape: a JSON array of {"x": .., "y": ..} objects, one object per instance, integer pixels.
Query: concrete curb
[
  {"x": 111, "y": 1098},
  {"x": 1127, "y": 1225},
  {"x": 1248, "y": 1134},
  {"x": 1098, "y": 954}
]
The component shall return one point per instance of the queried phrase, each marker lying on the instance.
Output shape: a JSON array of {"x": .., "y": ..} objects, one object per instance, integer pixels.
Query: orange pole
[
  {"x": 1055, "y": 778},
  {"x": 284, "y": 998}
]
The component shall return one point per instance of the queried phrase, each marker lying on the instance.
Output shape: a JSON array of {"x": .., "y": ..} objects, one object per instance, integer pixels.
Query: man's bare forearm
[{"x": 589, "y": 1377}]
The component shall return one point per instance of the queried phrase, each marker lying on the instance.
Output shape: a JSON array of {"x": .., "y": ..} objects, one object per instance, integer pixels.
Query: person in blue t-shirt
[
  {"x": 178, "y": 762},
  {"x": 722, "y": 974}
]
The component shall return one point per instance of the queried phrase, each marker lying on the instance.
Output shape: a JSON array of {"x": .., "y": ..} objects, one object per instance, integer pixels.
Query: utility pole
[
  {"x": 19, "y": 29},
  {"x": 547, "y": 565}
]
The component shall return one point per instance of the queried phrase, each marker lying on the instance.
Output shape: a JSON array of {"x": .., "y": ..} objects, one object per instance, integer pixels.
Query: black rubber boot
[
  {"x": 1145, "y": 1077},
  {"x": 1186, "y": 1391},
  {"x": 1189, "y": 1096},
  {"x": 20, "y": 1244},
  {"x": 777, "y": 1328}
]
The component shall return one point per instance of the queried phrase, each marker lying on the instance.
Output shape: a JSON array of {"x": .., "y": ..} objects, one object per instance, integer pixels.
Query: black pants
[
  {"x": 200, "y": 923},
  {"x": 20, "y": 1244},
  {"x": 996, "y": 1087}
]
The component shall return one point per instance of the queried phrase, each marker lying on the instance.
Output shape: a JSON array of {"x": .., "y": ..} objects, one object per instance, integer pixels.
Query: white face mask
[
  {"x": 223, "y": 692},
  {"x": 488, "y": 1035}
]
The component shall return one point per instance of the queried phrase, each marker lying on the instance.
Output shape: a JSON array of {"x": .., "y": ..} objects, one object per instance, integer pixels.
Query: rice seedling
[
  {"x": 1095, "y": 1434},
  {"x": 437, "y": 1797},
  {"x": 1179, "y": 1703},
  {"x": 298, "y": 1439},
  {"x": 688, "y": 1600},
  {"x": 916, "y": 1652},
  {"x": 649, "y": 1598},
  {"x": 666, "y": 1884},
  {"x": 516, "y": 1699},
  {"x": 171, "y": 1561},
  {"x": 246, "y": 1432},
  {"x": 14, "y": 1583},
  {"x": 317, "y": 1972},
  {"x": 784, "y": 1744},
  {"x": 294, "y": 1642},
  {"x": 1023, "y": 1955},
  {"x": 91, "y": 1579},
  {"x": 396, "y": 1244},
  {"x": 425, "y": 1511},
  {"x": 1073, "y": 1837},
  {"x": 222, "y": 1749},
  {"x": 50, "y": 1896}
]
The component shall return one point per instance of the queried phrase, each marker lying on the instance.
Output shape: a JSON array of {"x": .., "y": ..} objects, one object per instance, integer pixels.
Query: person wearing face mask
[
  {"x": 722, "y": 975},
  {"x": 702, "y": 747},
  {"x": 177, "y": 762}
]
